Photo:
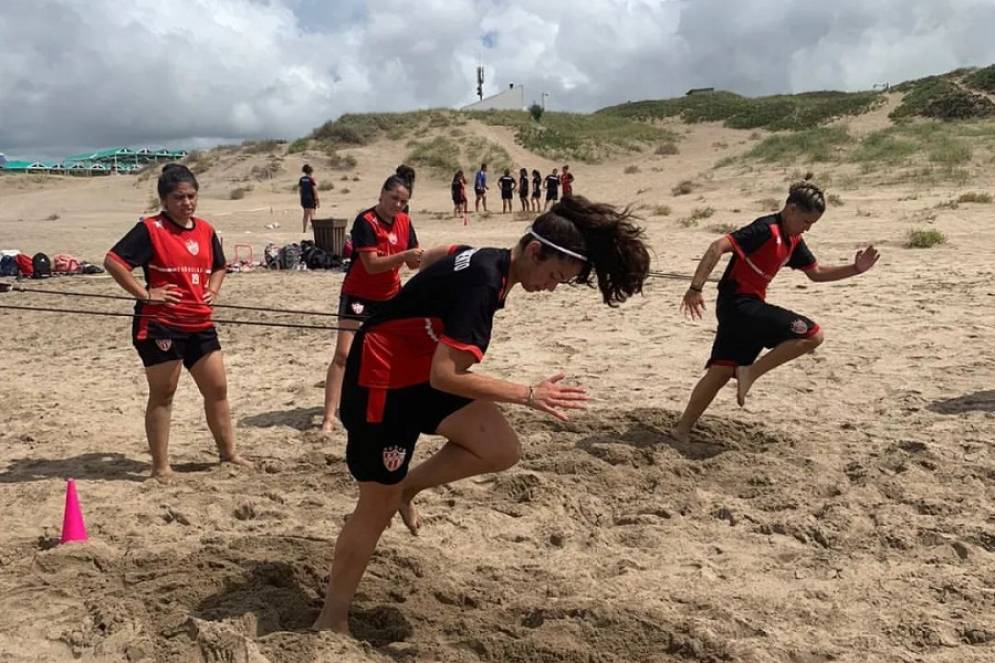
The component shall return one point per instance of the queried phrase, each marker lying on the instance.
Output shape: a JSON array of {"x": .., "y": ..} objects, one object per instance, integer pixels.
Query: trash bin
[{"x": 329, "y": 234}]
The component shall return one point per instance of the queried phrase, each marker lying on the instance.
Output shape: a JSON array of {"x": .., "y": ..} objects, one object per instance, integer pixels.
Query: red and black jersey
[
  {"x": 452, "y": 301},
  {"x": 566, "y": 181},
  {"x": 171, "y": 254},
  {"x": 761, "y": 249},
  {"x": 373, "y": 234}
]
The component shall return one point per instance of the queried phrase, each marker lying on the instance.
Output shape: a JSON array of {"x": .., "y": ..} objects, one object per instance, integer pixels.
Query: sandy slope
[{"x": 845, "y": 514}]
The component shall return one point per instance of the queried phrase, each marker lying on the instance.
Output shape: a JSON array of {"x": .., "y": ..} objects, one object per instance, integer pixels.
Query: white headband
[{"x": 559, "y": 248}]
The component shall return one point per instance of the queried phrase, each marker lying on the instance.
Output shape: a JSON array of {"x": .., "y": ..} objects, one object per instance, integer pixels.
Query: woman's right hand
[
  {"x": 693, "y": 304},
  {"x": 167, "y": 294},
  {"x": 551, "y": 397}
]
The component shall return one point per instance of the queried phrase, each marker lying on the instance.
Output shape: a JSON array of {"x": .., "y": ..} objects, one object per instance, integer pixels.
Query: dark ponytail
[
  {"x": 174, "y": 174},
  {"x": 617, "y": 257}
]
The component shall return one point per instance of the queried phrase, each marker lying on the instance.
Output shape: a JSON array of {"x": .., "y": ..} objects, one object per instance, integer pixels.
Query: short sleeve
[
  {"x": 468, "y": 325},
  {"x": 749, "y": 238},
  {"x": 363, "y": 237},
  {"x": 135, "y": 248},
  {"x": 801, "y": 257},
  {"x": 412, "y": 237},
  {"x": 218, "y": 252}
]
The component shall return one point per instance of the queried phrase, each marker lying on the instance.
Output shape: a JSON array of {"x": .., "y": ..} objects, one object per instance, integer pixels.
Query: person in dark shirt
[
  {"x": 523, "y": 188},
  {"x": 507, "y": 184},
  {"x": 183, "y": 264},
  {"x": 308, "y": 189},
  {"x": 409, "y": 371},
  {"x": 552, "y": 189},
  {"x": 567, "y": 181},
  {"x": 459, "y": 193},
  {"x": 747, "y": 323},
  {"x": 383, "y": 240},
  {"x": 536, "y": 189}
]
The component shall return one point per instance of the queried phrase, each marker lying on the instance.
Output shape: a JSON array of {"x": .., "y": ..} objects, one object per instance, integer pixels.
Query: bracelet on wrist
[{"x": 695, "y": 288}]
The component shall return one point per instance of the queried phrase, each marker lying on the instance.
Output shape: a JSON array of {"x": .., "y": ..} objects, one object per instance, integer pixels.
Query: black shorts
[
  {"x": 307, "y": 203},
  {"x": 552, "y": 195},
  {"x": 459, "y": 200},
  {"x": 537, "y": 194},
  {"x": 383, "y": 425},
  {"x": 506, "y": 195},
  {"x": 480, "y": 192},
  {"x": 747, "y": 325},
  {"x": 357, "y": 308},
  {"x": 524, "y": 195},
  {"x": 164, "y": 344}
]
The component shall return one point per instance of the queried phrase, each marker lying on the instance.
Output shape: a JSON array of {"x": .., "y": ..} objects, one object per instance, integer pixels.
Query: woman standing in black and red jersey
[
  {"x": 383, "y": 239},
  {"x": 184, "y": 266},
  {"x": 409, "y": 371},
  {"x": 747, "y": 323}
]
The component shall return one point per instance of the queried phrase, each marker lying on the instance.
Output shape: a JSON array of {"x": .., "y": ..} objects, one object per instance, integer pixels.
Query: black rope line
[
  {"x": 64, "y": 293},
  {"x": 132, "y": 315}
]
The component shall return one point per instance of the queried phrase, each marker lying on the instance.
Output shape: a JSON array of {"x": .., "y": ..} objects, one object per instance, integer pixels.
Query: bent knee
[
  {"x": 507, "y": 455},
  {"x": 815, "y": 340}
]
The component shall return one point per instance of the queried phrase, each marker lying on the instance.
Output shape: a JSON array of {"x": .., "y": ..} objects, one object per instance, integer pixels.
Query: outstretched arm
[
  {"x": 434, "y": 254},
  {"x": 693, "y": 303},
  {"x": 862, "y": 261}
]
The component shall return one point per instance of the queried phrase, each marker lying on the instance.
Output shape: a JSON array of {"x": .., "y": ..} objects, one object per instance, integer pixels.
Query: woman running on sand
[
  {"x": 409, "y": 371},
  {"x": 747, "y": 324},
  {"x": 383, "y": 239},
  {"x": 184, "y": 266}
]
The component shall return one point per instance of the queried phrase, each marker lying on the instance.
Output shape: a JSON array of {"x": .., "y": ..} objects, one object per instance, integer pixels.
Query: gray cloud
[{"x": 203, "y": 71}]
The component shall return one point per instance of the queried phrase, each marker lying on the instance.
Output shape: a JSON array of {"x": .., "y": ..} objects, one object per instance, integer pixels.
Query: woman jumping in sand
[
  {"x": 183, "y": 264},
  {"x": 747, "y": 324},
  {"x": 383, "y": 239},
  {"x": 409, "y": 371}
]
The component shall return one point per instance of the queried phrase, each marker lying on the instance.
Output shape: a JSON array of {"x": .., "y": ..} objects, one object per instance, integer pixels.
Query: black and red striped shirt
[
  {"x": 168, "y": 253},
  {"x": 370, "y": 233},
  {"x": 452, "y": 301},
  {"x": 760, "y": 250}
]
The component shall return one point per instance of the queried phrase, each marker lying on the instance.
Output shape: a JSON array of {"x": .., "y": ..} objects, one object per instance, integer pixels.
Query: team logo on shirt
[
  {"x": 357, "y": 308},
  {"x": 193, "y": 247},
  {"x": 392, "y": 238},
  {"x": 164, "y": 344},
  {"x": 798, "y": 326},
  {"x": 393, "y": 457}
]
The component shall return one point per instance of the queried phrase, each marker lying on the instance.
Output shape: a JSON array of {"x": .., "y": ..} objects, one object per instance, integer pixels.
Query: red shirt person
[
  {"x": 747, "y": 323},
  {"x": 183, "y": 264},
  {"x": 383, "y": 240}
]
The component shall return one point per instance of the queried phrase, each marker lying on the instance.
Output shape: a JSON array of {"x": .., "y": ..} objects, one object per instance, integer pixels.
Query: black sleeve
[
  {"x": 801, "y": 257},
  {"x": 412, "y": 237},
  {"x": 362, "y": 235},
  {"x": 135, "y": 248},
  {"x": 218, "y": 252},
  {"x": 468, "y": 324},
  {"x": 750, "y": 238}
]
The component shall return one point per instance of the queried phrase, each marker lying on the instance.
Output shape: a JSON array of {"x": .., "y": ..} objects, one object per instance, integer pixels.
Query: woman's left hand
[
  {"x": 211, "y": 297},
  {"x": 865, "y": 259}
]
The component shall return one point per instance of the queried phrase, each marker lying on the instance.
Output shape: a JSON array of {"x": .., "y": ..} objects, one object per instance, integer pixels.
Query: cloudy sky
[{"x": 80, "y": 74}]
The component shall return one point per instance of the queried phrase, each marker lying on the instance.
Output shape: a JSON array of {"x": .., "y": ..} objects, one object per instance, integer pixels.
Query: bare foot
[
  {"x": 743, "y": 383},
  {"x": 409, "y": 514},
  {"x": 327, "y": 427},
  {"x": 163, "y": 475},
  {"x": 683, "y": 436},
  {"x": 235, "y": 459},
  {"x": 323, "y": 623}
]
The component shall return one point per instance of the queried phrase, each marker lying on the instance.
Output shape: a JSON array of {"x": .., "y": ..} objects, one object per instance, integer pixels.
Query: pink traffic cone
[{"x": 73, "y": 528}]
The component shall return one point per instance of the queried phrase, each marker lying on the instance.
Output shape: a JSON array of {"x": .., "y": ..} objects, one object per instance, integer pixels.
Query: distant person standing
[
  {"x": 536, "y": 189},
  {"x": 523, "y": 188},
  {"x": 308, "y": 189},
  {"x": 480, "y": 188},
  {"x": 459, "y": 193},
  {"x": 507, "y": 184},
  {"x": 552, "y": 188},
  {"x": 567, "y": 181}
]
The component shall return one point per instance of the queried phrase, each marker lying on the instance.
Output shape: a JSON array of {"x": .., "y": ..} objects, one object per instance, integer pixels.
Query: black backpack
[
  {"x": 42, "y": 266},
  {"x": 8, "y": 266}
]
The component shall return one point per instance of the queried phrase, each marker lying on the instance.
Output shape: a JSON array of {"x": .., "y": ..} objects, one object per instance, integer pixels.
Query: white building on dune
[{"x": 511, "y": 99}]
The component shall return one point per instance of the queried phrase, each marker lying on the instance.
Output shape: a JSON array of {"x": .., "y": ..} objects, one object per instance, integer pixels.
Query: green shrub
[
  {"x": 885, "y": 147},
  {"x": 536, "y": 111},
  {"x": 261, "y": 146},
  {"x": 924, "y": 239},
  {"x": 982, "y": 79},
  {"x": 298, "y": 145},
  {"x": 819, "y": 144},
  {"x": 238, "y": 193}
]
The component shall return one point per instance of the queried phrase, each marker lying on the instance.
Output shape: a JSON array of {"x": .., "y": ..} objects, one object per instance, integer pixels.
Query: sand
[{"x": 844, "y": 515}]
